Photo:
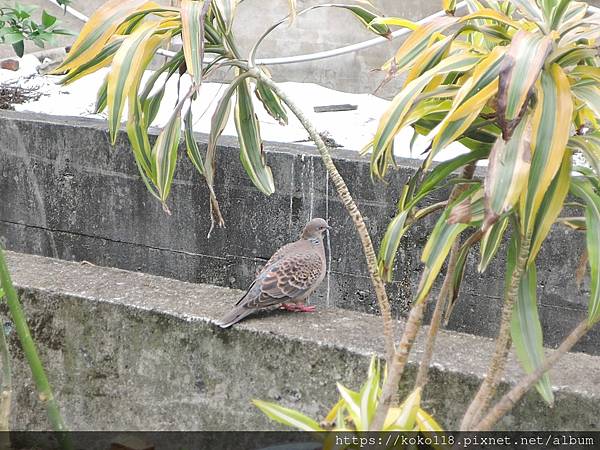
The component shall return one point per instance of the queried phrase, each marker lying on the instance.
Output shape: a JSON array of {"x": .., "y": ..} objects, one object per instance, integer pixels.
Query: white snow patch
[{"x": 350, "y": 129}]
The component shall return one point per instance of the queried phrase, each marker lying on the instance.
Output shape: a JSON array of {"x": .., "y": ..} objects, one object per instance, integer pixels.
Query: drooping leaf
[
  {"x": 271, "y": 102},
  {"x": 394, "y": 118},
  {"x": 441, "y": 240},
  {"x": 551, "y": 125},
  {"x": 551, "y": 206},
  {"x": 102, "y": 59},
  {"x": 585, "y": 190},
  {"x": 490, "y": 242},
  {"x": 192, "y": 35},
  {"x": 164, "y": 153},
  {"x": 129, "y": 63},
  {"x": 588, "y": 92},
  {"x": 367, "y": 18},
  {"x": 589, "y": 145},
  {"x": 97, "y": 31},
  {"x": 420, "y": 39},
  {"x": 390, "y": 243},
  {"x": 193, "y": 151},
  {"x": 507, "y": 172},
  {"x": 526, "y": 330},
  {"x": 469, "y": 100},
  {"x": 251, "y": 151},
  {"x": 227, "y": 10},
  {"x": 287, "y": 416}
]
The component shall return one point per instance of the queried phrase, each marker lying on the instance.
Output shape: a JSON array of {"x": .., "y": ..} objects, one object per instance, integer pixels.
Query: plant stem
[
  {"x": 413, "y": 324},
  {"x": 396, "y": 369},
  {"x": 509, "y": 400},
  {"x": 490, "y": 383},
  {"x": 6, "y": 390},
  {"x": 353, "y": 211},
  {"x": 29, "y": 349},
  {"x": 436, "y": 318}
]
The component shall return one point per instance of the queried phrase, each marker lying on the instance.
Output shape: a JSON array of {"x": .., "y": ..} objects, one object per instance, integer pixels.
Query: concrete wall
[
  {"x": 129, "y": 351},
  {"x": 66, "y": 193}
]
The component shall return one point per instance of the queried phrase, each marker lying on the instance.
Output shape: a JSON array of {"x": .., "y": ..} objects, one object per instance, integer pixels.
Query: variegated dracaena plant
[
  {"x": 517, "y": 83},
  {"x": 127, "y": 34},
  {"x": 354, "y": 413}
]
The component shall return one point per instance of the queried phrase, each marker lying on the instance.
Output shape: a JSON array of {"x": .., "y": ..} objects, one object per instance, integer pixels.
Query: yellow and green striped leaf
[
  {"x": 420, "y": 39},
  {"x": 98, "y": 30},
  {"x": 441, "y": 240},
  {"x": 390, "y": 243},
  {"x": 521, "y": 69},
  {"x": 469, "y": 100},
  {"x": 102, "y": 59},
  {"x": 394, "y": 118},
  {"x": 287, "y": 417},
  {"x": 193, "y": 151},
  {"x": 127, "y": 69},
  {"x": 551, "y": 124},
  {"x": 140, "y": 144},
  {"x": 192, "y": 36},
  {"x": 551, "y": 206},
  {"x": 251, "y": 150},
  {"x": 164, "y": 153},
  {"x": 490, "y": 242},
  {"x": 101, "y": 97},
  {"x": 271, "y": 102},
  {"x": 367, "y": 18},
  {"x": 507, "y": 173},
  {"x": 584, "y": 189},
  {"x": 526, "y": 330}
]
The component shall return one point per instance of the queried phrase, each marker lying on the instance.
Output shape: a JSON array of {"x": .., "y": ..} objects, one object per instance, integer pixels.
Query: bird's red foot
[{"x": 298, "y": 308}]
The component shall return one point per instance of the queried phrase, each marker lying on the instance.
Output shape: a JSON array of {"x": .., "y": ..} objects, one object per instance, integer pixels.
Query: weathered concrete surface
[
  {"x": 66, "y": 193},
  {"x": 129, "y": 351}
]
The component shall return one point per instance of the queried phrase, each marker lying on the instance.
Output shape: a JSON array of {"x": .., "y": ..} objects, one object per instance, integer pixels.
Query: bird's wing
[
  {"x": 283, "y": 251},
  {"x": 291, "y": 277}
]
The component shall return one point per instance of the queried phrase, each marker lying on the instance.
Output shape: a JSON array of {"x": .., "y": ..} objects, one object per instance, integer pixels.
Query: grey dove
[{"x": 289, "y": 277}]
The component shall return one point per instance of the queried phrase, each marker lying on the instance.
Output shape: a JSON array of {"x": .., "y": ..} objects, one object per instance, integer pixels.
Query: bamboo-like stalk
[
  {"x": 413, "y": 324},
  {"x": 5, "y": 390},
  {"x": 396, "y": 369},
  {"x": 509, "y": 400},
  {"x": 31, "y": 355},
  {"x": 490, "y": 383},
  {"x": 350, "y": 205}
]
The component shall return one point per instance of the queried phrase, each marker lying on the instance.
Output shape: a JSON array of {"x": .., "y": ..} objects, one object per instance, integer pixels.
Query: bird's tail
[{"x": 234, "y": 316}]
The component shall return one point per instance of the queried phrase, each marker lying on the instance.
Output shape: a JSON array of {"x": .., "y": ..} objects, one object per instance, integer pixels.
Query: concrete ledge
[
  {"x": 129, "y": 351},
  {"x": 66, "y": 193}
]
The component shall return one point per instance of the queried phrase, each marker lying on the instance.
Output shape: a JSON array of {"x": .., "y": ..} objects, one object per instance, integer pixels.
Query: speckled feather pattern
[{"x": 290, "y": 276}]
